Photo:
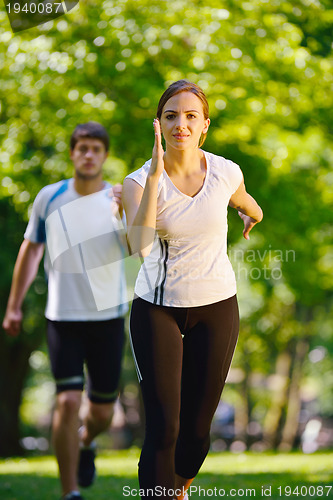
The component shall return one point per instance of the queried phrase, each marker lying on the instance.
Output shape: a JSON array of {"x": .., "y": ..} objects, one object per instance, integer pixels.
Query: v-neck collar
[{"x": 203, "y": 187}]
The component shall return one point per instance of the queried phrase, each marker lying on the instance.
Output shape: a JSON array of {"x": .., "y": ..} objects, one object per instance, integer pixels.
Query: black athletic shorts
[{"x": 98, "y": 345}]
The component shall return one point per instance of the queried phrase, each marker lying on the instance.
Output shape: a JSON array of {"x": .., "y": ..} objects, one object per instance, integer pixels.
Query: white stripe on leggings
[{"x": 135, "y": 360}]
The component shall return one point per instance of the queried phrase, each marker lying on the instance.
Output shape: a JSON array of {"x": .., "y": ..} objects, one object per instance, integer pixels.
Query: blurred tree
[
  {"x": 267, "y": 70},
  {"x": 14, "y": 352}
]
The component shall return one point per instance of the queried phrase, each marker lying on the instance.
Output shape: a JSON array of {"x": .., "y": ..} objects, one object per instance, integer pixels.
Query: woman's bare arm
[
  {"x": 140, "y": 204},
  {"x": 248, "y": 209}
]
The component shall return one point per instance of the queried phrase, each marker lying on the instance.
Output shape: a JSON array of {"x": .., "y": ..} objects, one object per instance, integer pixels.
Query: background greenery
[{"x": 267, "y": 70}]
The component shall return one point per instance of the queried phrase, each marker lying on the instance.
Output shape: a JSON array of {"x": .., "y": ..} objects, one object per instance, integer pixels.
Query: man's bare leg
[
  {"x": 97, "y": 419},
  {"x": 65, "y": 438}
]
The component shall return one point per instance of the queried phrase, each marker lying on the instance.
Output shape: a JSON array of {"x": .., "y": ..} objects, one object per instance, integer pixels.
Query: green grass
[{"x": 36, "y": 478}]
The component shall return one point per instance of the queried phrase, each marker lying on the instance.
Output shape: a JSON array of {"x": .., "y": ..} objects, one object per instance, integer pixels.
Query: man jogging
[{"x": 78, "y": 223}]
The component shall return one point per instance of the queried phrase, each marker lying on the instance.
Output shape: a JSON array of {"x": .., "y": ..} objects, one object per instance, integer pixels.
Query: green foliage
[{"x": 267, "y": 70}]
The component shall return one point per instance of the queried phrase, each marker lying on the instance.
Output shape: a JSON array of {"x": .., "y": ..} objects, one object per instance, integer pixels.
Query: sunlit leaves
[{"x": 267, "y": 69}]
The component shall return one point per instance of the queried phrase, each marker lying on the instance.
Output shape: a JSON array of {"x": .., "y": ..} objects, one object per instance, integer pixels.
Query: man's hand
[
  {"x": 116, "y": 195},
  {"x": 25, "y": 271},
  {"x": 12, "y": 322}
]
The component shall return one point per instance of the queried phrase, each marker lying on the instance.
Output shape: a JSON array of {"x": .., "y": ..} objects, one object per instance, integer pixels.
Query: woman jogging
[{"x": 184, "y": 319}]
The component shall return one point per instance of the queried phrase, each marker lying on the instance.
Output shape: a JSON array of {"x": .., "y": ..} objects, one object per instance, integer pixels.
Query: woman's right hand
[{"x": 157, "y": 162}]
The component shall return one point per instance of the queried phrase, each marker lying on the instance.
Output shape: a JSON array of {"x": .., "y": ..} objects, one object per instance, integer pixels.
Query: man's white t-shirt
[
  {"x": 188, "y": 265},
  {"x": 84, "y": 252}
]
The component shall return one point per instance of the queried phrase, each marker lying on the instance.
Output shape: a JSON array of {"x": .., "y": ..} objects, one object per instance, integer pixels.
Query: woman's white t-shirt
[{"x": 188, "y": 265}]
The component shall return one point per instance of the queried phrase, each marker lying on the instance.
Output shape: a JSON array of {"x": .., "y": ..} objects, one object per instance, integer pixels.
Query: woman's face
[{"x": 182, "y": 121}]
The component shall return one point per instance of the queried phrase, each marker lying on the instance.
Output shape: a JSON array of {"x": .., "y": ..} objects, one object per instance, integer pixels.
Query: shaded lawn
[{"x": 223, "y": 475}]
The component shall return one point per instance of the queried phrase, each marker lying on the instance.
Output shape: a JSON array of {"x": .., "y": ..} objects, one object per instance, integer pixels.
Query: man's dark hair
[{"x": 90, "y": 130}]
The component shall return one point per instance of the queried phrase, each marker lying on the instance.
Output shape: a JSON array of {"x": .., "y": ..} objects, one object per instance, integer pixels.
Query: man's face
[{"x": 88, "y": 157}]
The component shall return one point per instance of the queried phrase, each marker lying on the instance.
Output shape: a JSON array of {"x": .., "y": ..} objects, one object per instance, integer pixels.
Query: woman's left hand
[{"x": 248, "y": 224}]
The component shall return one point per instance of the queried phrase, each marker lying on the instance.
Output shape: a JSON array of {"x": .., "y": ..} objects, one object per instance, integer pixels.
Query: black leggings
[{"x": 182, "y": 356}]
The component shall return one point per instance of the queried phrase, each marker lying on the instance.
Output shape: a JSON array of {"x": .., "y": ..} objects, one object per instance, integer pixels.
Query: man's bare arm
[{"x": 25, "y": 271}]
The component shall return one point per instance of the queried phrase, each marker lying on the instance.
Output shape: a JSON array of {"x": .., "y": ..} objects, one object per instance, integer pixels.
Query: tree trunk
[
  {"x": 294, "y": 401},
  {"x": 14, "y": 368},
  {"x": 279, "y": 399},
  {"x": 242, "y": 415},
  {"x": 14, "y": 352},
  {"x": 243, "y": 410}
]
